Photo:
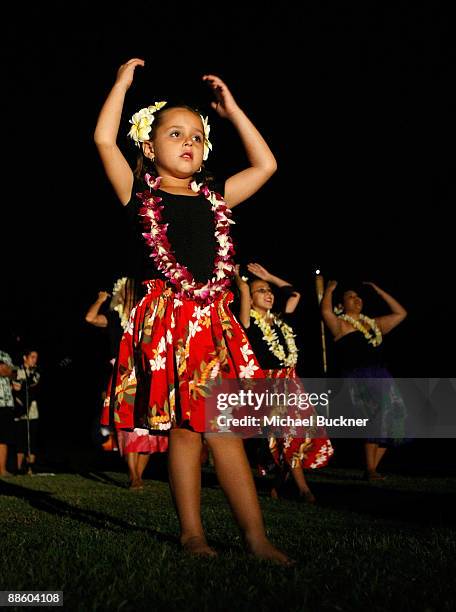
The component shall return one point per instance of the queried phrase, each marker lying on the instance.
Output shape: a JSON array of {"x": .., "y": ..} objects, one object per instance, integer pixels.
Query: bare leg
[
  {"x": 184, "y": 464},
  {"x": 20, "y": 460},
  {"x": 3, "y": 457},
  {"x": 303, "y": 487},
  {"x": 141, "y": 464},
  {"x": 30, "y": 462},
  {"x": 132, "y": 462},
  {"x": 379, "y": 454},
  {"x": 373, "y": 451},
  {"x": 235, "y": 477},
  {"x": 370, "y": 449}
]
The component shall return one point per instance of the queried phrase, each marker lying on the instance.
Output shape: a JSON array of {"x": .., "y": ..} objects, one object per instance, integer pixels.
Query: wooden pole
[{"x": 320, "y": 288}]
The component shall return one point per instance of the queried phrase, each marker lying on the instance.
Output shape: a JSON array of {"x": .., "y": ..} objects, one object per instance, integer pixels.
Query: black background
[{"x": 357, "y": 104}]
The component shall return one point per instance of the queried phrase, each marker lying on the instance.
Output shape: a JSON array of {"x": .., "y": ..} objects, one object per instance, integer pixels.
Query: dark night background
[{"x": 357, "y": 105}]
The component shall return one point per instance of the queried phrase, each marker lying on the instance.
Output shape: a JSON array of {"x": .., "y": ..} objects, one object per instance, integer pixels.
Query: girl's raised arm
[
  {"x": 398, "y": 312},
  {"x": 261, "y": 272},
  {"x": 116, "y": 166},
  {"x": 331, "y": 320},
  {"x": 244, "y": 291},
  {"x": 244, "y": 184}
]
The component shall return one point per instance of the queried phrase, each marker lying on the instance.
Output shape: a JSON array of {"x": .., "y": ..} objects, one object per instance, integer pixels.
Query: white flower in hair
[
  {"x": 207, "y": 143},
  {"x": 157, "y": 106},
  {"x": 142, "y": 123}
]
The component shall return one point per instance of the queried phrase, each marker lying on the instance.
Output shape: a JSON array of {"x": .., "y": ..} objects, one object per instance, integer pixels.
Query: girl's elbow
[
  {"x": 245, "y": 322},
  {"x": 271, "y": 168}
]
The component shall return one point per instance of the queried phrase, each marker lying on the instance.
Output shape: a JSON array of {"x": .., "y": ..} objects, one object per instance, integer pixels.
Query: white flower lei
[
  {"x": 164, "y": 257},
  {"x": 270, "y": 336},
  {"x": 372, "y": 324}
]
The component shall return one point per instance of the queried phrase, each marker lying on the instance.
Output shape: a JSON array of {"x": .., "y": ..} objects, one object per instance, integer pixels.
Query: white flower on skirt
[
  {"x": 162, "y": 345},
  {"x": 248, "y": 370},
  {"x": 169, "y": 337},
  {"x": 158, "y": 363},
  {"x": 193, "y": 328},
  {"x": 245, "y": 350},
  {"x": 200, "y": 312}
]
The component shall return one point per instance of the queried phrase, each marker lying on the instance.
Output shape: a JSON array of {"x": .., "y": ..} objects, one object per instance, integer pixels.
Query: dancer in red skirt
[
  {"x": 272, "y": 340},
  {"x": 183, "y": 334},
  {"x": 125, "y": 294}
]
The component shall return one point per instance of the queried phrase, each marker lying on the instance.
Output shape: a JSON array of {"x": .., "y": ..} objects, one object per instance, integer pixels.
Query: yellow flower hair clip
[
  {"x": 142, "y": 123},
  {"x": 207, "y": 142}
]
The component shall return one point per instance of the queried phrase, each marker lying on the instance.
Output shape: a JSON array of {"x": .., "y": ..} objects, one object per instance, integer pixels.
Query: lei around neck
[
  {"x": 272, "y": 340},
  {"x": 164, "y": 258},
  {"x": 375, "y": 341}
]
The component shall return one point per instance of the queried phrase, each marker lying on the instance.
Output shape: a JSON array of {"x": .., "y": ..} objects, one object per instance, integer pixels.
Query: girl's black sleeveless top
[{"x": 190, "y": 232}]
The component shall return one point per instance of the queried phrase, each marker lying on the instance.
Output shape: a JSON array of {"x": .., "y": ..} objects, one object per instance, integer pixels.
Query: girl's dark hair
[
  {"x": 363, "y": 291},
  {"x": 26, "y": 352},
  {"x": 145, "y": 165},
  {"x": 347, "y": 285}
]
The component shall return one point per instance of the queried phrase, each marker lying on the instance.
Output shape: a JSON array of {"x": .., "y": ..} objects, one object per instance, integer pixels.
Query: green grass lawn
[{"x": 366, "y": 547}]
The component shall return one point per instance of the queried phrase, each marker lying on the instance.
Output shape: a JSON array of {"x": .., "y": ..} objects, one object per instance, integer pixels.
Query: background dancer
[
  {"x": 272, "y": 340},
  {"x": 125, "y": 293},
  {"x": 359, "y": 354}
]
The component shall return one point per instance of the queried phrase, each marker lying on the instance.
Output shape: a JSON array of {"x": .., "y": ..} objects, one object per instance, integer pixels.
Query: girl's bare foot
[
  {"x": 136, "y": 485},
  {"x": 263, "y": 549},
  {"x": 274, "y": 493},
  {"x": 197, "y": 545},
  {"x": 372, "y": 475},
  {"x": 307, "y": 496}
]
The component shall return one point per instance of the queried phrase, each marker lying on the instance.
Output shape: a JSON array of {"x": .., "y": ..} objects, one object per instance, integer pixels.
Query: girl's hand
[
  {"x": 103, "y": 296},
  {"x": 240, "y": 282},
  {"x": 332, "y": 284},
  {"x": 373, "y": 285},
  {"x": 226, "y": 104},
  {"x": 259, "y": 271},
  {"x": 126, "y": 72}
]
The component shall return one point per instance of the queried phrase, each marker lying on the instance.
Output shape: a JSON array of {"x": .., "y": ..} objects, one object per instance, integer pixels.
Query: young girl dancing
[{"x": 183, "y": 332}]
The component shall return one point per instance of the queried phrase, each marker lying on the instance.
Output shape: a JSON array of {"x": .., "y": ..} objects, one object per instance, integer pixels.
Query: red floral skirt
[
  {"x": 170, "y": 353},
  {"x": 311, "y": 452}
]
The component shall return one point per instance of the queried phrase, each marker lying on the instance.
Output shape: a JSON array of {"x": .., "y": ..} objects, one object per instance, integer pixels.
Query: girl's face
[
  {"x": 261, "y": 296},
  {"x": 352, "y": 302},
  {"x": 31, "y": 359},
  {"x": 178, "y": 144}
]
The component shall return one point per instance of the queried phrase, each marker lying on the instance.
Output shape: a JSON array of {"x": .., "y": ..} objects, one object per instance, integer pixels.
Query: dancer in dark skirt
[{"x": 359, "y": 355}]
